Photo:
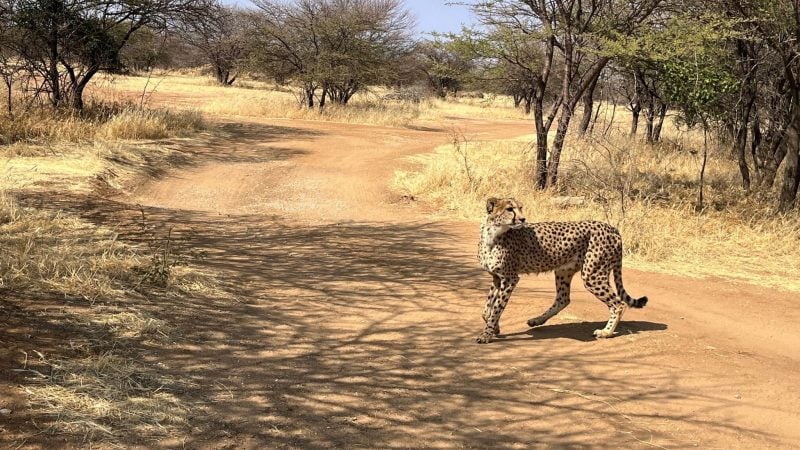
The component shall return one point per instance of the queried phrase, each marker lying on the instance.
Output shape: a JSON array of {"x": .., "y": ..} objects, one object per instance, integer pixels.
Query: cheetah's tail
[{"x": 630, "y": 301}]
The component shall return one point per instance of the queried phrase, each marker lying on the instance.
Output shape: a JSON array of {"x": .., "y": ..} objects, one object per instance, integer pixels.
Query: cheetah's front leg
[
  {"x": 503, "y": 293},
  {"x": 487, "y": 310}
]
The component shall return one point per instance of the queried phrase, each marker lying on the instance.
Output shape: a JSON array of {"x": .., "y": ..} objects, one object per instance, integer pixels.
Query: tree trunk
[
  {"x": 518, "y": 101},
  {"x": 440, "y": 92},
  {"x": 755, "y": 143},
  {"x": 791, "y": 176},
  {"x": 649, "y": 118},
  {"x": 700, "y": 201},
  {"x": 309, "y": 94},
  {"x": 636, "y": 108},
  {"x": 791, "y": 170},
  {"x": 222, "y": 77},
  {"x": 558, "y": 146},
  {"x": 323, "y": 98},
  {"x": 596, "y": 116},
  {"x": 76, "y": 97},
  {"x": 775, "y": 141},
  {"x": 78, "y": 85},
  {"x": 566, "y": 113},
  {"x": 659, "y": 125},
  {"x": 773, "y": 163},
  {"x": 53, "y": 76},
  {"x": 541, "y": 142},
  {"x": 569, "y": 99},
  {"x": 542, "y": 129},
  {"x": 588, "y": 108},
  {"x": 9, "y": 82},
  {"x": 740, "y": 142},
  {"x": 527, "y": 101}
]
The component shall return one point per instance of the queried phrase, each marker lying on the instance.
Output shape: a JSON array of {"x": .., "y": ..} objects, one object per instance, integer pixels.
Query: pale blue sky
[
  {"x": 432, "y": 15},
  {"x": 437, "y": 15}
]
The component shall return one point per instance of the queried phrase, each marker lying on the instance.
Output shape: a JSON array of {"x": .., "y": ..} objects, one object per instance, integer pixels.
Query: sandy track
[
  {"x": 356, "y": 315},
  {"x": 360, "y": 317}
]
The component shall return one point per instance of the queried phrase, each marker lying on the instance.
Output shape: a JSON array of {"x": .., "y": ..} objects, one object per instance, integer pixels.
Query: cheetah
[{"x": 509, "y": 247}]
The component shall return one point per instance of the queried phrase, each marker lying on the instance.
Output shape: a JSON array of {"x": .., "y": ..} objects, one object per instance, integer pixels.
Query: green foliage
[
  {"x": 82, "y": 37},
  {"x": 690, "y": 57},
  {"x": 448, "y": 61},
  {"x": 696, "y": 85},
  {"x": 145, "y": 48},
  {"x": 341, "y": 47}
]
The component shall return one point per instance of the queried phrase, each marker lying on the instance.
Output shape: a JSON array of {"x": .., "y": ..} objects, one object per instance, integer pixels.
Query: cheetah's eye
[{"x": 510, "y": 209}]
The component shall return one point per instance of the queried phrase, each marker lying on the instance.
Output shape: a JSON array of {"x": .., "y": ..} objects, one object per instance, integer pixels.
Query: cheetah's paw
[
  {"x": 536, "y": 321},
  {"x": 602, "y": 334},
  {"x": 484, "y": 338}
]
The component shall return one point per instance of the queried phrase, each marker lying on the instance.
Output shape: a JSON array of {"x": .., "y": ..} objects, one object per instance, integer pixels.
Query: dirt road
[{"x": 356, "y": 315}]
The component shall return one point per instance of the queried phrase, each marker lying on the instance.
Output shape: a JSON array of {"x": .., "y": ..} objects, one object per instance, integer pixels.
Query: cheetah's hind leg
[
  {"x": 564, "y": 276},
  {"x": 598, "y": 284}
]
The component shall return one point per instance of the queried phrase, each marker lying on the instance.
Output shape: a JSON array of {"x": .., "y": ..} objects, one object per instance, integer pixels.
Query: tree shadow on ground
[
  {"x": 347, "y": 335},
  {"x": 230, "y": 142}
]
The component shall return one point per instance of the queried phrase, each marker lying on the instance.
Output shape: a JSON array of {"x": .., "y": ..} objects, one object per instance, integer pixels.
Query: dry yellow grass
[
  {"x": 648, "y": 192},
  {"x": 259, "y": 99},
  {"x": 99, "y": 395},
  {"x": 57, "y": 253},
  {"x": 101, "y": 392},
  {"x": 106, "y": 390},
  {"x": 61, "y": 253},
  {"x": 100, "y": 123}
]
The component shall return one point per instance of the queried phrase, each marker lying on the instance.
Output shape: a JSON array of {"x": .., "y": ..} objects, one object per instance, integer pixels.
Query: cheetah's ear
[{"x": 490, "y": 205}]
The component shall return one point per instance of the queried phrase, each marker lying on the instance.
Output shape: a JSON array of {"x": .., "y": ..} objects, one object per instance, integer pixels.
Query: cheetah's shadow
[{"x": 579, "y": 331}]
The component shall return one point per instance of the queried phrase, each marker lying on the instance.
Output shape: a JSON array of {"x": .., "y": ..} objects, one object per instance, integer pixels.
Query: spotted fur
[{"x": 510, "y": 247}]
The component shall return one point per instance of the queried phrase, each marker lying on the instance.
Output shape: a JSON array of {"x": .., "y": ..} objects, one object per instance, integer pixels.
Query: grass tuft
[
  {"x": 99, "y": 122},
  {"x": 133, "y": 123},
  {"x": 104, "y": 393},
  {"x": 45, "y": 252}
]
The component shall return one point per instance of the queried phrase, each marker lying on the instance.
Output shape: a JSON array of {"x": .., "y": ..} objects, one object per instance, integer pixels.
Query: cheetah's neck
[{"x": 489, "y": 234}]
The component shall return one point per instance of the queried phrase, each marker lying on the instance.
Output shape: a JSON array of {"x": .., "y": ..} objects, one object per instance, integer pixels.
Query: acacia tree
[
  {"x": 696, "y": 84},
  {"x": 777, "y": 25},
  {"x": 9, "y": 67},
  {"x": 67, "y": 42},
  {"x": 627, "y": 85},
  {"x": 773, "y": 111},
  {"x": 511, "y": 62},
  {"x": 515, "y": 81},
  {"x": 338, "y": 46},
  {"x": 583, "y": 33},
  {"x": 223, "y": 40},
  {"x": 145, "y": 49},
  {"x": 445, "y": 65}
]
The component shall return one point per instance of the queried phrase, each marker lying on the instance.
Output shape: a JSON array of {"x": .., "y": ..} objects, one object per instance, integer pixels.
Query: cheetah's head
[{"x": 505, "y": 213}]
